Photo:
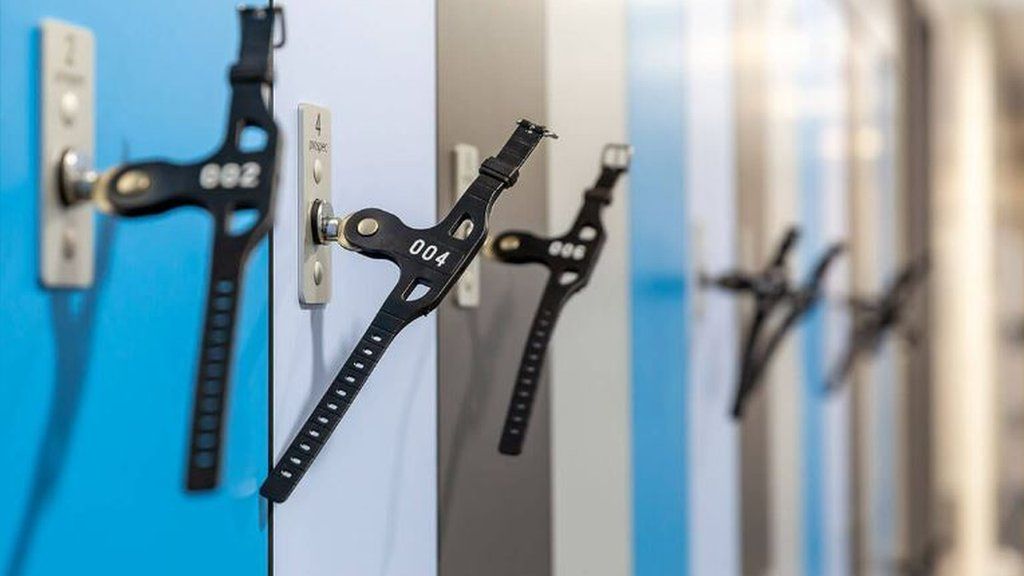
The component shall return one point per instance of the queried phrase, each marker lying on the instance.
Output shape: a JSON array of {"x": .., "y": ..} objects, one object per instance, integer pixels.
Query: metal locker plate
[
  {"x": 314, "y": 184},
  {"x": 67, "y": 78},
  {"x": 467, "y": 164}
]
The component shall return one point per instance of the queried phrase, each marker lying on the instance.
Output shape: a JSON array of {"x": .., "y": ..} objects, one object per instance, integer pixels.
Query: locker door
[
  {"x": 711, "y": 236},
  {"x": 368, "y": 503},
  {"x": 683, "y": 225},
  {"x": 820, "y": 77},
  {"x": 98, "y": 383},
  {"x": 589, "y": 350},
  {"x": 878, "y": 388},
  {"x": 495, "y": 510},
  {"x": 660, "y": 296}
]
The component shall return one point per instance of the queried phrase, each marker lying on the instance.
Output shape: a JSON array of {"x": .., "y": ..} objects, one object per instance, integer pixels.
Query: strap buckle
[{"x": 616, "y": 156}]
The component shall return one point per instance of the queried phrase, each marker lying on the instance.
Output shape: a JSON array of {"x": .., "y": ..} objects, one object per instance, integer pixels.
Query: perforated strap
[
  {"x": 496, "y": 174},
  {"x": 319, "y": 426},
  {"x": 230, "y": 251},
  {"x": 747, "y": 378},
  {"x": 214, "y": 372},
  {"x": 757, "y": 363},
  {"x": 524, "y": 392},
  {"x": 556, "y": 293}
]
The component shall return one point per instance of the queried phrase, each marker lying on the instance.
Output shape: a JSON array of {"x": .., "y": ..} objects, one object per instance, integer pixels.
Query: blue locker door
[{"x": 97, "y": 383}]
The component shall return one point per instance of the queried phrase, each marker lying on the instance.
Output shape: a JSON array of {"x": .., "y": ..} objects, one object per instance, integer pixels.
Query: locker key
[
  {"x": 570, "y": 260},
  {"x": 874, "y": 317},
  {"x": 430, "y": 262},
  {"x": 236, "y": 186},
  {"x": 772, "y": 291}
]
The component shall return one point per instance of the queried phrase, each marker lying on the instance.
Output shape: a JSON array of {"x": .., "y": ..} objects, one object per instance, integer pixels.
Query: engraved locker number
[
  {"x": 567, "y": 250},
  {"x": 230, "y": 175},
  {"x": 428, "y": 252}
]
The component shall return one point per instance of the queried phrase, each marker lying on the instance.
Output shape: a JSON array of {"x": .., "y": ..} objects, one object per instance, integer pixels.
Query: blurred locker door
[
  {"x": 711, "y": 235},
  {"x": 368, "y": 504},
  {"x": 97, "y": 382},
  {"x": 877, "y": 385},
  {"x": 684, "y": 215},
  {"x": 658, "y": 284},
  {"x": 495, "y": 512},
  {"x": 820, "y": 119},
  {"x": 792, "y": 107},
  {"x": 586, "y": 52},
  {"x": 769, "y": 202}
]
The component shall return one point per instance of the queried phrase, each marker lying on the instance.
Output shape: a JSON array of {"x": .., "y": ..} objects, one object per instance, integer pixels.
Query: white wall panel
[{"x": 368, "y": 504}]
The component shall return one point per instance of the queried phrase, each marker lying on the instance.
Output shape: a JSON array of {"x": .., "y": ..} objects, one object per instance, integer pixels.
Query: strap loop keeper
[
  {"x": 500, "y": 171},
  {"x": 242, "y": 73},
  {"x": 602, "y": 195}
]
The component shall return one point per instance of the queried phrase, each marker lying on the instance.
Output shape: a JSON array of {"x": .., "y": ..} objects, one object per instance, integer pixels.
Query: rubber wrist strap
[
  {"x": 800, "y": 302},
  {"x": 230, "y": 180},
  {"x": 769, "y": 289},
  {"x": 570, "y": 260},
  {"x": 331, "y": 408},
  {"x": 406, "y": 247},
  {"x": 214, "y": 372},
  {"x": 531, "y": 364},
  {"x": 874, "y": 318}
]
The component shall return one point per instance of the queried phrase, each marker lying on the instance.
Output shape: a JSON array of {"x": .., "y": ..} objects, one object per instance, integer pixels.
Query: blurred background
[{"x": 882, "y": 421}]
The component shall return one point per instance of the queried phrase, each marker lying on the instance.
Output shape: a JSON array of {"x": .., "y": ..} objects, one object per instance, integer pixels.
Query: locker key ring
[
  {"x": 570, "y": 260},
  {"x": 237, "y": 179},
  {"x": 874, "y": 317},
  {"x": 430, "y": 262},
  {"x": 772, "y": 291}
]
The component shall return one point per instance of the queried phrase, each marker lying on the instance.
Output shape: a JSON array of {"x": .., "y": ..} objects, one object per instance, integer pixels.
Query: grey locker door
[{"x": 495, "y": 510}]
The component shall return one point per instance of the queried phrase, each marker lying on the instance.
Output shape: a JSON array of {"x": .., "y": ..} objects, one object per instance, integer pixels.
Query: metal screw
[
  {"x": 68, "y": 108},
  {"x": 318, "y": 273},
  {"x": 367, "y": 227},
  {"x": 67, "y": 244},
  {"x": 318, "y": 170}
]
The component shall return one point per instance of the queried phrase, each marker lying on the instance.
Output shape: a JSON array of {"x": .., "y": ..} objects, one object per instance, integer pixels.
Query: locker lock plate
[
  {"x": 314, "y": 189},
  {"x": 67, "y": 96}
]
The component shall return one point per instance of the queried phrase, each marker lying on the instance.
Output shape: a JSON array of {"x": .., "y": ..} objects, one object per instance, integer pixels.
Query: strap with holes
[
  {"x": 234, "y": 179},
  {"x": 798, "y": 303},
  {"x": 770, "y": 288},
  {"x": 430, "y": 261},
  {"x": 874, "y": 318},
  {"x": 570, "y": 259}
]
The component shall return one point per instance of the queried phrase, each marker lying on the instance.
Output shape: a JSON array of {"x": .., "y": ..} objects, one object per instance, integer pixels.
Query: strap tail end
[{"x": 276, "y": 489}]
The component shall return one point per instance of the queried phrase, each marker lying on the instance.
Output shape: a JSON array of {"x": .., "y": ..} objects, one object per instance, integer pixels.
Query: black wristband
[
  {"x": 433, "y": 259},
  {"x": 570, "y": 260},
  {"x": 232, "y": 179}
]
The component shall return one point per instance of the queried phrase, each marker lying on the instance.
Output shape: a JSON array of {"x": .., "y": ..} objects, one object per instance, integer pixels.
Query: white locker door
[{"x": 368, "y": 503}]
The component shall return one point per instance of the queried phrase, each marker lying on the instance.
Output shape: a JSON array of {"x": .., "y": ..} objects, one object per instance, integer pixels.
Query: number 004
[{"x": 427, "y": 252}]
